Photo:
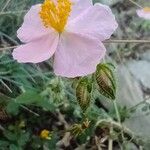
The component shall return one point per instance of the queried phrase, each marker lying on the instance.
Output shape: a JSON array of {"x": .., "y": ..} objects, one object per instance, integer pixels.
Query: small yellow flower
[{"x": 45, "y": 134}]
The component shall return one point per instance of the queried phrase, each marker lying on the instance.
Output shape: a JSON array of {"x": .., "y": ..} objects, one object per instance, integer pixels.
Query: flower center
[
  {"x": 146, "y": 9},
  {"x": 55, "y": 14}
]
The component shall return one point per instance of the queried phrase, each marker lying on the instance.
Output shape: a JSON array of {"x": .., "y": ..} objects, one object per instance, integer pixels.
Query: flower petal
[
  {"x": 141, "y": 13},
  {"x": 32, "y": 27},
  {"x": 78, "y": 7},
  {"x": 37, "y": 51},
  {"x": 97, "y": 21},
  {"x": 77, "y": 55}
]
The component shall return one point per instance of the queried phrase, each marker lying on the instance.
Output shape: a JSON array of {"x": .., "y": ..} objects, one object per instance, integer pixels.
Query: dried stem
[
  {"x": 7, "y": 48},
  {"x": 30, "y": 111},
  {"x": 135, "y": 3},
  {"x": 126, "y": 41},
  {"x": 110, "y": 144},
  {"x": 118, "y": 127}
]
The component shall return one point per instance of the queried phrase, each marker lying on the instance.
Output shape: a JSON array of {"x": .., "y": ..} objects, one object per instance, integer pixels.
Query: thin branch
[
  {"x": 7, "y": 48},
  {"x": 138, "y": 104},
  {"x": 118, "y": 127},
  {"x": 135, "y": 3},
  {"x": 107, "y": 41},
  {"x": 110, "y": 144},
  {"x": 110, "y": 141},
  {"x": 127, "y": 41},
  {"x": 30, "y": 111}
]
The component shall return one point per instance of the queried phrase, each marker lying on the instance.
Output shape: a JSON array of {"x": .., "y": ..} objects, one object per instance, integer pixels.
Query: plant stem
[
  {"x": 118, "y": 116},
  {"x": 7, "y": 48},
  {"x": 110, "y": 144},
  {"x": 110, "y": 141},
  {"x": 138, "y": 104},
  {"x": 117, "y": 111}
]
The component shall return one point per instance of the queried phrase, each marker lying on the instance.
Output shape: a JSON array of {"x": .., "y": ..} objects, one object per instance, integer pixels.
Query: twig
[
  {"x": 110, "y": 141},
  {"x": 107, "y": 41},
  {"x": 7, "y": 48},
  {"x": 3, "y": 83},
  {"x": 117, "y": 127},
  {"x": 126, "y": 41},
  {"x": 138, "y": 104},
  {"x": 62, "y": 119},
  {"x": 110, "y": 144},
  {"x": 29, "y": 110},
  {"x": 67, "y": 136},
  {"x": 98, "y": 144},
  {"x": 135, "y": 3}
]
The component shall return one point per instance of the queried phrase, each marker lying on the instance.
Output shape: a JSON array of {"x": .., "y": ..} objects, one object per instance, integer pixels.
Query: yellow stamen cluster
[
  {"x": 55, "y": 14},
  {"x": 146, "y": 9}
]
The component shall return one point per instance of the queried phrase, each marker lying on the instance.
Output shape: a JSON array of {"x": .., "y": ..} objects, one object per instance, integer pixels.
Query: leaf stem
[{"x": 118, "y": 116}]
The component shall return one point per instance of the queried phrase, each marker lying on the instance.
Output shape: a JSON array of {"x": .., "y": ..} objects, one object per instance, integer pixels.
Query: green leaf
[
  {"x": 12, "y": 108},
  {"x": 23, "y": 139},
  {"x": 46, "y": 104},
  {"x": 10, "y": 136},
  {"x": 28, "y": 97},
  {"x": 14, "y": 147},
  {"x": 4, "y": 143},
  {"x": 3, "y": 99}
]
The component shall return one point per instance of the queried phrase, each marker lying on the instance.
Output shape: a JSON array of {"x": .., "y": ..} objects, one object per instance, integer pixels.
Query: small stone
[
  {"x": 141, "y": 71},
  {"x": 129, "y": 95},
  {"x": 146, "y": 56}
]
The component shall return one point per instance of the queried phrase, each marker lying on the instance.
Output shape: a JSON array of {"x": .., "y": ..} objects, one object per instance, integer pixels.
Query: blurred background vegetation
[{"x": 33, "y": 99}]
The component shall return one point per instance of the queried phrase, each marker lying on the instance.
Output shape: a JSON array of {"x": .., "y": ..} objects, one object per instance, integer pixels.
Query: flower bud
[
  {"x": 106, "y": 81},
  {"x": 78, "y": 129},
  {"x": 83, "y": 93}
]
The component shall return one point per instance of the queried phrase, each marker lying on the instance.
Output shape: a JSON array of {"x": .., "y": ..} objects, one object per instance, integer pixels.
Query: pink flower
[
  {"x": 144, "y": 13},
  {"x": 71, "y": 31}
]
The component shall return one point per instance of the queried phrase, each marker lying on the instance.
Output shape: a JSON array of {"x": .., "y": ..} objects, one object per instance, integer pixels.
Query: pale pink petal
[
  {"x": 141, "y": 13},
  {"x": 38, "y": 50},
  {"x": 78, "y": 7},
  {"x": 77, "y": 55},
  {"x": 32, "y": 27},
  {"x": 97, "y": 21}
]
